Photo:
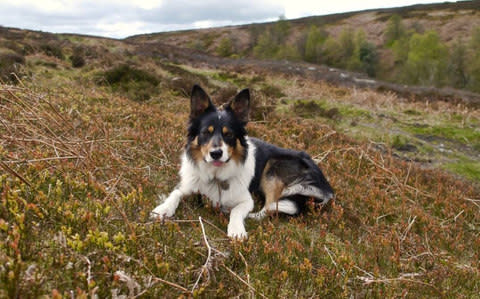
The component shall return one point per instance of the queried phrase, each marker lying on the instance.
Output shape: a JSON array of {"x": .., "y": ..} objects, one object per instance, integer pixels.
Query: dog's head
[{"x": 217, "y": 135}]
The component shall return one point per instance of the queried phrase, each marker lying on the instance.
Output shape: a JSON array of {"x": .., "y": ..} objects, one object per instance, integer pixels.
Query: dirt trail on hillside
[{"x": 305, "y": 70}]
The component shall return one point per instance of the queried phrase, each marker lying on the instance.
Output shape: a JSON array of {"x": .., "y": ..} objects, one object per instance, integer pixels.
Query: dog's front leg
[
  {"x": 168, "y": 207},
  {"x": 236, "y": 226}
]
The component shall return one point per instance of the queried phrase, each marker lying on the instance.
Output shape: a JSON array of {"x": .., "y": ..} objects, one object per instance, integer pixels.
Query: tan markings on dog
[
  {"x": 210, "y": 129},
  {"x": 237, "y": 153},
  {"x": 272, "y": 187},
  {"x": 206, "y": 148},
  {"x": 195, "y": 150},
  {"x": 224, "y": 130}
]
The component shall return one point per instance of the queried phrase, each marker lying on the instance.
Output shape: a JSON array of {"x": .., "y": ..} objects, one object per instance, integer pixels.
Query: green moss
[
  {"x": 462, "y": 135},
  {"x": 466, "y": 168},
  {"x": 350, "y": 111},
  {"x": 399, "y": 142}
]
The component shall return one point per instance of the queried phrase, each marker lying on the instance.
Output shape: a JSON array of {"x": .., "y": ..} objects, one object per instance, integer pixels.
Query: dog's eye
[
  {"x": 228, "y": 134},
  {"x": 205, "y": 133}
]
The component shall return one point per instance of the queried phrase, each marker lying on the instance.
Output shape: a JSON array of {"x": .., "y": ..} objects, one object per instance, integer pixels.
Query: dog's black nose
[{"x": 216, "y": 154}]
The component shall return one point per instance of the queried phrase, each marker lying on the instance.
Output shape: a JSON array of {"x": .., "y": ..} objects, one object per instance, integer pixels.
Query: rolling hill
[
  {"x": 90, "y": 134},
  {"x": 432, "y": 45}
]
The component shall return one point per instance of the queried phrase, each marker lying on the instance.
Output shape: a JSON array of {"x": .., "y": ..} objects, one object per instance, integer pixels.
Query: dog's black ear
[
  {"x": 199, "y": 102},
  {"x": 240, "y": 105}
]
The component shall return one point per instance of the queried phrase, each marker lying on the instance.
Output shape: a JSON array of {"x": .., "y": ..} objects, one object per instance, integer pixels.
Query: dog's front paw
[
  {"x": 236, "y": 232},
  {"x": 162, "y": 211}
]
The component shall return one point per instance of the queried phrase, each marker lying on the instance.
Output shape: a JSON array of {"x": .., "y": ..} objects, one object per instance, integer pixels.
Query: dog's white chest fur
[{"x": 224, "y": 186}]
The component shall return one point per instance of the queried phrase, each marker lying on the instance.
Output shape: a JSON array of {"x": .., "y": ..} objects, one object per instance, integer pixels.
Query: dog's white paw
[
  {"x": 236, "y": 232},
  {"x": 162, "y": 211}
]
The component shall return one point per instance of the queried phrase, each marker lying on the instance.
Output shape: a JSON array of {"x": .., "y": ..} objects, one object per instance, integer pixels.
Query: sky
[{"x": 123, "y": 18}]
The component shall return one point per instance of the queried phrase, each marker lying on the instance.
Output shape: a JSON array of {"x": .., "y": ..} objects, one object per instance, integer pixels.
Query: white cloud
[
  {"x": 122, "y": 18},
  {"x": 302, "y": 8}
]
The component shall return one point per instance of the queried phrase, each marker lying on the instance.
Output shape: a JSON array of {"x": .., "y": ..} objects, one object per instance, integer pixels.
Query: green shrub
[
  {"x": 457, "y": 65},
  {"x": 136, "y": 84},
  {"x": 77, "y": 61},
  {"x": 331, "y": 54},
  {"x": 225, "y": 48},
  {"x": 52, "y": 49},
  {"x": 313, "y": 44},
  {"x": 474, "y": 61},
  {"x": 77, "y": 58},
  {"x": 369, "y": 58},
  {"x": 10, "y": 64},
  {"x": 311, "y": 109},
  {"x": 427, "y": 60},
  {"x": 271, "y": 91},
  {"x": 126, "y": 73},
  {"x": 272, "y": 42},
  {"x": 395, "y": 30}
]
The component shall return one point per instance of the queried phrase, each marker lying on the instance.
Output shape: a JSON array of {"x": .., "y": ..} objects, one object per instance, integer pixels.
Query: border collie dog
[{"x": 221, "y": 162}]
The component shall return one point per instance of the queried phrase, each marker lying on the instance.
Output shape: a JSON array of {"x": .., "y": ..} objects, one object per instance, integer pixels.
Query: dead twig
[
  {"x": 402, "y": 278},
  {"x": 476, "y": 202},
  {"x": 13, "y": 172},
  {"x": 252, "y": 294},
  {"x": 243, "y": 281},
  {"x": 154, "y": 278},
  {"x": 209, "y": 256},
  {"x": 177, "y": 286},
  {"x": 405, "y": 233},
  {"x": 89, "y": 270},
  {"x": 43, "y": 159}
]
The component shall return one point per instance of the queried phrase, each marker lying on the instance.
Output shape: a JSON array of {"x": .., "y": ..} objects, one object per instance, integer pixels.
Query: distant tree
[
  {"x": 313, "y": 44},
  {"x": 256, "y": 31},
  {"x": 266, "y": 46},
  {"x": 474, "y": 61},
  {"x": 225, "y": 47},
  {"x": 368, "y": 56},
  {"x": 288, "y": 52},
  {"x": 395, "y": 30},
  {"x": 280, "y": 30},
  {"x": 271, "y": 42},
  {"x": 353, "y": 58},
  {"x": 457, "y": 65},
  {"x": 416, "y": 27},
  {"x": 347, "y": 44},
  {"x": 427, "y": 59},
  {"x": 331, "y": 54},
  {"x": 400, "y": 48}
]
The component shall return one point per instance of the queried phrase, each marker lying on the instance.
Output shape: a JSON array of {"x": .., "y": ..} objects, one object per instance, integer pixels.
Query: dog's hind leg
[
  {"x": 285, "y": 206},
  {"x": 272, "y": 187}
]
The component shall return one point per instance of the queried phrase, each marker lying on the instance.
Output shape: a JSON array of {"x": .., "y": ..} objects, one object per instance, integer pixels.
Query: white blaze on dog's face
[{"x": 217, "y": 136}]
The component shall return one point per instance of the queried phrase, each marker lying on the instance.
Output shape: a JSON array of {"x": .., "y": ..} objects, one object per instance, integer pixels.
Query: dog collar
[{"x": 224, "y": 185}]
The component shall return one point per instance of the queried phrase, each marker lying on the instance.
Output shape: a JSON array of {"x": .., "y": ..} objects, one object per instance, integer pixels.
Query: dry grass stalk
[{"x": 207, "y": 265}]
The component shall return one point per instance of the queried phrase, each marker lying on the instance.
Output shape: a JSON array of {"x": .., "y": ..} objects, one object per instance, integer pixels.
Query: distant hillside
[
  {"x": 433, "y": 45},
  {"x": 451, "y": 20}
]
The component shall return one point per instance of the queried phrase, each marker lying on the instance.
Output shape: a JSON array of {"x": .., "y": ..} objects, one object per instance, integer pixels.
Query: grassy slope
[
  {"x": 82, "y": 166},
  {"x": 451, "y": 20}
]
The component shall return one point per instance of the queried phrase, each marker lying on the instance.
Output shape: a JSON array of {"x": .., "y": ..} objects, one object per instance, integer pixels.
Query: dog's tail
[{"x": 309, "y": 182}]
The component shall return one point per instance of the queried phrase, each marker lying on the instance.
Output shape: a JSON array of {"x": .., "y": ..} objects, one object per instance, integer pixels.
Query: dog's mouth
[{"x": 217, "y": 163}]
